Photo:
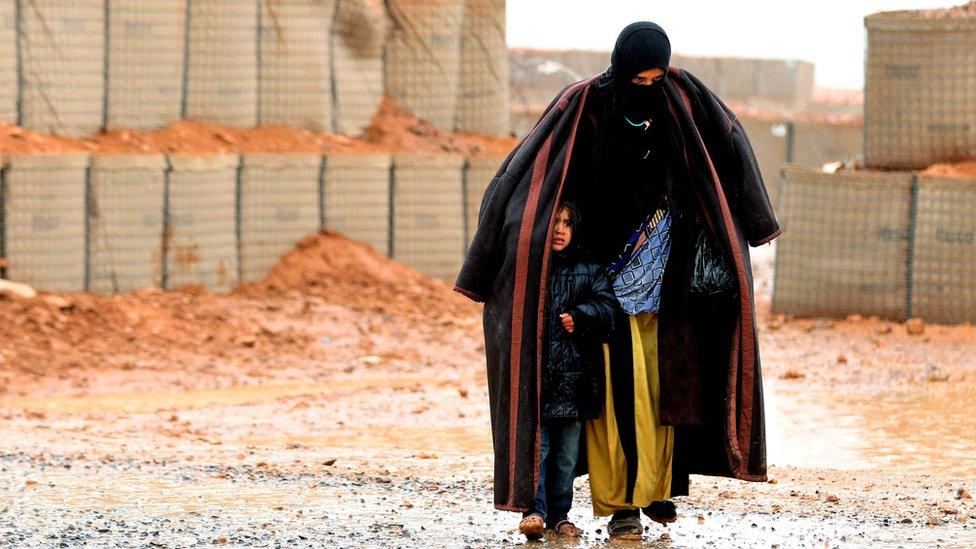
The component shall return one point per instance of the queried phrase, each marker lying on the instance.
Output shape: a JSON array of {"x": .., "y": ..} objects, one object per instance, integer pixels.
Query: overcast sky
[{"x": 830, "y": 33}]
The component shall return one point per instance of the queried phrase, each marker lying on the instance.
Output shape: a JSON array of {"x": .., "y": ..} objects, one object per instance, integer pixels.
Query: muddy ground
[{"x": 343, "y": 403}]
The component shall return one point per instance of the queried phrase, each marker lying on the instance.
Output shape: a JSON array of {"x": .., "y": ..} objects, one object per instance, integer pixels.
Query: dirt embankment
[
  {"x": 392, "y": 130},
  {"x": 327, "y": 285}
]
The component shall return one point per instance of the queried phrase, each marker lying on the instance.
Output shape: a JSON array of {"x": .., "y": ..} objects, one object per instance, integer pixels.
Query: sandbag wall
[
  {"x": 891, "y": 244},
  {"x": 114, "y": 223}
]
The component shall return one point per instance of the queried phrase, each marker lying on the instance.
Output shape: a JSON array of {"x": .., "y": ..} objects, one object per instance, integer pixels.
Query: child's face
[{"x": 562, "y": 233}]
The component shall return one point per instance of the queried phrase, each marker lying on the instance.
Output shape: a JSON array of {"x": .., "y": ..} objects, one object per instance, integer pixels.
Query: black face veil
[{"x": 640, "y": 46}]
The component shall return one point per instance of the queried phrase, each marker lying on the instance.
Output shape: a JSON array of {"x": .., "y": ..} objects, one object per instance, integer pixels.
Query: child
[{"x": 579, "y": 315}]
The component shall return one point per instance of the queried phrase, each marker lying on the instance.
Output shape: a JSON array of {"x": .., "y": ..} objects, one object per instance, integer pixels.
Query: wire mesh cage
[
  {"x": 62, "y": 57},
  {"x": 358, "y": 40},
  {"x": 428, "y": 213},
  {"x": 482, "y": 105},
  {"x": 222, "y": 62},
  {"x": 201, "y": 234},
  {"x": 279, "y": 205},
  {"x": 356, "y": 197},
  {"x": 44, "y": 220},
  {"x": 295, "y": 63},
  {"x": 845, "y": 244},
  {"x": 944, "y": 250},
  {"x": 423, "y": 57},
  {"x": 125, "y": 222},
  {"x": 919, "y": 106}
]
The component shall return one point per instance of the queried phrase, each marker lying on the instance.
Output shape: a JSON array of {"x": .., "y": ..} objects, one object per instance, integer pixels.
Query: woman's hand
[{"x": 567, "y": 321}]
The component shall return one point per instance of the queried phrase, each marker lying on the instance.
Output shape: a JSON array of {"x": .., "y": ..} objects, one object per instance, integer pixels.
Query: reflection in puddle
[{"x": 926, "y": 428}]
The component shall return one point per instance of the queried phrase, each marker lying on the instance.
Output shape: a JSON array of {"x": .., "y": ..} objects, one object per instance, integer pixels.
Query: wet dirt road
[{"x": 871, "y": 442}]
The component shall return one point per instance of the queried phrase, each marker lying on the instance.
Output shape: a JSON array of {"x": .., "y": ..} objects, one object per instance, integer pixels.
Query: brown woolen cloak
[{"x": 711, "y": 385}]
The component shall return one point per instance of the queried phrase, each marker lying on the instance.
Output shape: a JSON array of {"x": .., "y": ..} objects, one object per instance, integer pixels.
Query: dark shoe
[
  {"x": 625, "y": 526},
  {"x": 663, "y": 512}
]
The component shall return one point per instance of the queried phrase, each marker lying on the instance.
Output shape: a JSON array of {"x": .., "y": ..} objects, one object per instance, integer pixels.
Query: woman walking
[{"x": 669, "y": 184}]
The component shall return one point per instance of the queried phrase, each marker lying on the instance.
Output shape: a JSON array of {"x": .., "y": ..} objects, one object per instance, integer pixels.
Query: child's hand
[{"x": 567, "y": 323}]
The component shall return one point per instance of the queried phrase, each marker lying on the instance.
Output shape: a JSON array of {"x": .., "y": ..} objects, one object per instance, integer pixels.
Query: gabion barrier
[
  {"x": 482, "y": 105},
  {"x": 770, "y": 141},
  {"x": 478, "y": 173},
  {"x": 8, "y": 61},
  {"x": 62, "y": 56},
  {"x": 44, "y": 220},
  {"x": 428, "y": 213},
  {"x": 359, "y": 35},
  {"x": 295, "y": 69},
  {"x": 201, "y": 234},
  {"x": 356, "y": 197},
  {"x": 423, "y": 57},
  {"x": 146, "y": 41},
  {"x": 918, "y": 96},
  {"x": 125, "y": 222},
  {"x": 222, "y": 71},
  {"x": 279, "y": 204},
  {"x": 944, "y": 252},
  {"x": 845, "y": 244}
]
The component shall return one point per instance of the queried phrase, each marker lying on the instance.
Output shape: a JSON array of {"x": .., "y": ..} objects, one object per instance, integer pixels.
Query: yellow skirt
[{"x": 655, "y": 444}]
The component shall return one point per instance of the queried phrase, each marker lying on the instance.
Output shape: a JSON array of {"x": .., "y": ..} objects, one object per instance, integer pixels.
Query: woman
[{"x": 640, "y": 138}]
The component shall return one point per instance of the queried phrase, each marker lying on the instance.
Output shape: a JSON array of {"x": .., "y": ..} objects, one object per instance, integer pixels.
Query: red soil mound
[
  {"x": 965, "y": 170},
  {"x": 193, "y": 331},
  {"x": 392, "y": 130},
  {"x": 340, "y": 270}
]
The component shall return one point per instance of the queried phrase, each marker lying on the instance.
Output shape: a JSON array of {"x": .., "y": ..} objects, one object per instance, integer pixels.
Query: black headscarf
[{"x": 640, "y": 46}]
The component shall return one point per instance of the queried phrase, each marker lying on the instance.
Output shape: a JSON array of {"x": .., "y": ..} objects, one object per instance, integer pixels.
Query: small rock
[
  {"x": 246, "y": 341},
  {"x": 915, "y": 326},
  {"x": 463, "y": 392},
  {"x": 701, "y": 519},
  {"x": 419, "y": 129},
  {"x": 831, "y": 498},
  {"x": 17, "y": 289},
  {"x": 841, "y": 359},
  {"x": 934, "y": 521},
  {"x": 329, "y": 462},
  {"x": 772, "y": 481},
  {"x": 56, "y": 301},
  {"x": 963, "y": 493},
  {"x": 883, "y": 330},
  {"x": 726, "y": 495},
  {"x": 792, "y": 374},
  {"x": 905, "y": 521}
]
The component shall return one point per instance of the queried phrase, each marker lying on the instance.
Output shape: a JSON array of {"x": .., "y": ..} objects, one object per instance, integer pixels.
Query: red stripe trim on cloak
[
  {"x": 518, "y": 307},
  {"x": 738, "y": 430},
  {"x": 521, "y": 280}
]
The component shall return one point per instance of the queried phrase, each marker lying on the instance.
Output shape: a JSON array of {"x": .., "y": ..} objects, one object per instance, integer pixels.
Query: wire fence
[
  {"x": 75, "y": 68},
  {"x": 115, "y": 223}
]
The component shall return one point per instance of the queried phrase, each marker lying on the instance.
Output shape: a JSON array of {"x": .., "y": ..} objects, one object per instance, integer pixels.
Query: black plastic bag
[{"x": 711, "y": 276}]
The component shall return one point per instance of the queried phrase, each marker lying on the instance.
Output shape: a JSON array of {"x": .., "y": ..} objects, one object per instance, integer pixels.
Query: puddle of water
[
  {"x": 229, "y": 396},
  {"x": 928, "y": 428},
  {"x": 457, "y": 440}
]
